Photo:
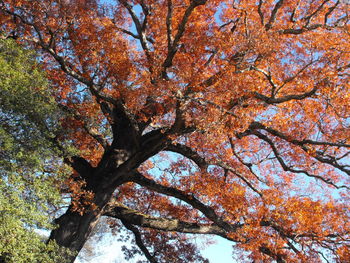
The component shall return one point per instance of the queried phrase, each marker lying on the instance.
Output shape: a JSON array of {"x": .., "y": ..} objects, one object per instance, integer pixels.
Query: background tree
[
  {"x": 27, "y": 187},
  {"x": 208, "y": 117}
]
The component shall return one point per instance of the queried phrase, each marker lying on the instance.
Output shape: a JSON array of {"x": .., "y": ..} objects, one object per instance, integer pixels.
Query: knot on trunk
[{"x": 120, "y": 156}]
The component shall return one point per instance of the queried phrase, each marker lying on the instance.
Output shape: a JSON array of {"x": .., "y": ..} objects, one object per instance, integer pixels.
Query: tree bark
[{"x": 74, "y": 229}]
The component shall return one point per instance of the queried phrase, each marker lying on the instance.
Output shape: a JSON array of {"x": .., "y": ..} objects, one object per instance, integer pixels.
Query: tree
[
  {"x": 227, "y": 118},
  {"x": 27, "y": 192}
]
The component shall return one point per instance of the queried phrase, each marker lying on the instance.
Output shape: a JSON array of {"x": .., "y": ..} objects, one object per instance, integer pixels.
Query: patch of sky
[{"x": 166, "y": 159}]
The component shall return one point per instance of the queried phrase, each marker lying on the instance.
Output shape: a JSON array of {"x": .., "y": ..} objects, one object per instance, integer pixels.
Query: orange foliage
[{"x": 256, "y": 90}]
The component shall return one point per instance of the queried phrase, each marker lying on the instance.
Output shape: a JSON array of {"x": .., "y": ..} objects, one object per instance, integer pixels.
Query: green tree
[{"x": 27, "y": 193}]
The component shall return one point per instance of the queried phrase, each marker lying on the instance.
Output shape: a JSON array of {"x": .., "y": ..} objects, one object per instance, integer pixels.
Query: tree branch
[
  {"x": 309, "y": 17},
  {"x": 330, "y": 11},
  {"x": 139, "y": 241},
  {"x": 126, "y": 132},
  {"x": 134, "y": 35},
  {"x": 139, "y": 28},
  {"x": 134, "y": 217},
  {"x": 267, "y": 251},
  {"x": 180, "y": 31},
  {"x": 169, "y": 24},
  {"x": 289, "y": 168},
  {"x": 245, "y": 180},
  {"x": 203, "y": 164},
  {"x": 188, "y": 198},
  {"x": 260, "y": 12},
  {"x": 303, "y": 145},
  {"x": 81, "y": 165},
  {"x": 92, "y": 132},
  {"x": 274, "y": 14},
  {"x": 258, "y": 125},
  {"x": 272, "y": 100},
  {"x": 188, "y": 153},
  {"x": 269, "y": 78}
]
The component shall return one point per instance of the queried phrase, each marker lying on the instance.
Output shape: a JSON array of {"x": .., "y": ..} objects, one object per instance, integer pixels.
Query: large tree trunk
[
  {"x": 74, "y": 229},
  {"x": 115, "y": 168}
]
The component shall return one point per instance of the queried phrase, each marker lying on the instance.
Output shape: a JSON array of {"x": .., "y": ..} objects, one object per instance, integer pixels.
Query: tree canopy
[
  {"x": 27, "y": 192},
  {"x": 215, "y": 117}
]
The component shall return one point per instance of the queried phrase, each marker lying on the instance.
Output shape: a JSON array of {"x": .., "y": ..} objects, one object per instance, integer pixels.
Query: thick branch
[
  {"x": 269, "y": 78},
  {"x": 125, "y": 128},
  {"x": 272, "y": 100},
  {"x": 188, "y": 198},
  {"x": 189, "y": 153},
  {"x": 81, "y": 165},
  {"x": 330, "y": 11},
  {"x": 297, "y": 31},
  {"x": 274, "y": 14},
  {"x": 119, "y": 211},
  {"x": 284, "y": 234},
  {"x": 169, "y": 24},
  {"x": 146, "y": 13}
]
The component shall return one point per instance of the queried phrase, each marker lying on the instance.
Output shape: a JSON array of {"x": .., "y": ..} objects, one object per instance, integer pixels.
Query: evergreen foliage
[{"x": 28, "y": 193}]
